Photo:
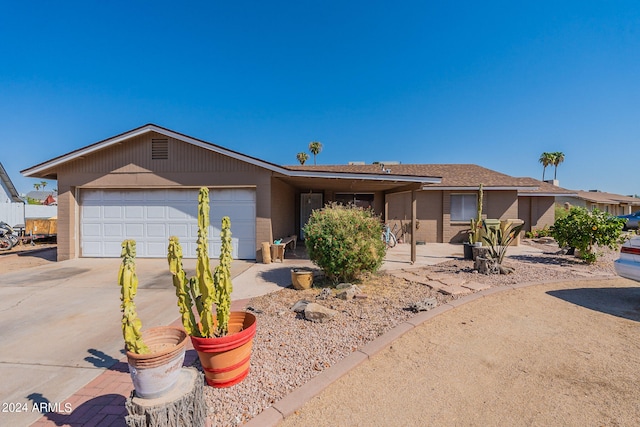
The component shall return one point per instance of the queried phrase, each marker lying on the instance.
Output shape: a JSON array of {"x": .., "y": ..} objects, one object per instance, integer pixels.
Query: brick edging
[{"x": 283, "y": 408}]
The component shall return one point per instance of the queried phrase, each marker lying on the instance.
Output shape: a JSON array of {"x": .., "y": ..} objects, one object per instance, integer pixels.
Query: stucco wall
[
  {"x": 537, "y": 212},
  {"x": 283, "y": 208}
]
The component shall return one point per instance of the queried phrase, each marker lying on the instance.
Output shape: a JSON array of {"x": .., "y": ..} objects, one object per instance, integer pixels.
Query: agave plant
[{"x": 498, "y": 240}]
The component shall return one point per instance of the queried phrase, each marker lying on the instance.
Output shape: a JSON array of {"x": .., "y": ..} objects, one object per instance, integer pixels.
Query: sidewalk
[{"x": 101, "y": 401}]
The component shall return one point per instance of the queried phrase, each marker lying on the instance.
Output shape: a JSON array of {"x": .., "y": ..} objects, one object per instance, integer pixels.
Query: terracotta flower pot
[
  {"x": 155, "y": 373},
  {"x": 301, "y": 278},
  {"x": 225, "y": 360}
]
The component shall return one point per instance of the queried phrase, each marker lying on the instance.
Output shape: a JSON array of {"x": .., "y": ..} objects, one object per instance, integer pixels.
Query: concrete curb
[{"x": 288, "y": 405}]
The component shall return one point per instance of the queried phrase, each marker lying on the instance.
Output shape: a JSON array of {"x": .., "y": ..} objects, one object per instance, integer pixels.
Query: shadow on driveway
[{"x": 620, "y": 302}]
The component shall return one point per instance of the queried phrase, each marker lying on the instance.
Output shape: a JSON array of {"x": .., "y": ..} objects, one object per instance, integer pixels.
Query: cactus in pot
[
  {"x": 224, "y": 343},
  {"x": 154, "y": 366},
  {"x": 128, "y": 281},
  {"x": 206, "y": 288},
  {"x": 475, "y": 235}
]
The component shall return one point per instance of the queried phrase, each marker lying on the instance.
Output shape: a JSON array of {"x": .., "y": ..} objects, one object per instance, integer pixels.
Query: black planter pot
[{"x": 468, "y": 250}]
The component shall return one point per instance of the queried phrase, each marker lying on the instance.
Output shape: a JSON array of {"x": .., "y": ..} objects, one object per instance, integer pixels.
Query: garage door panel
[
  {"x": 157, "y": 230},
  {"x": 134, "y": 231},
  {"x": 134, "y": 212},
  {"x": 91, "y": 230},
  {"x": 155, "y": 212},
  {"x": 92, "y": 212},
  {"x": 112, "y": 212},
  {"x": 112, "y": 196},
  {"x": 152, "y": 216},
  {"x": 112, "y": 249},
  {"x": 156, "y": 249},
  {"x": 114, "y": 230},
  {"x": 181, "y": 231}
]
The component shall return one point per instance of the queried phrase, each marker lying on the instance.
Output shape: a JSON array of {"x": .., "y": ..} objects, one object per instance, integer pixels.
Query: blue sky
[{"x": 491, "y": 83}]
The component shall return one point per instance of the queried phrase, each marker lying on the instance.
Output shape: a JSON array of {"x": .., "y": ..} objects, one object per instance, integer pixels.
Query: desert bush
[
  {"x": 585, "y": 230},
  {"x": 536, "y": 233},
  {"x": 344, "y": 241}
]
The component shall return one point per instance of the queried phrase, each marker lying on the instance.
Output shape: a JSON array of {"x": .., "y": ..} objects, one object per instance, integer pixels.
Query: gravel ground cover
[{"x": 289, "y": 350}]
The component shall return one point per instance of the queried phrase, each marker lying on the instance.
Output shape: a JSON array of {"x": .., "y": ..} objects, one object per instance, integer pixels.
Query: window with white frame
[{"x": 464, "y": 207}]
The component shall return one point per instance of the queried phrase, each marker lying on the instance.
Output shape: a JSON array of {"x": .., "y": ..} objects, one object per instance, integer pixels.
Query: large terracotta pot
[
  {"x": 155, "y": 373},
  {"x": 301, "y": 278},
  {"x": 225, "y": 360}
]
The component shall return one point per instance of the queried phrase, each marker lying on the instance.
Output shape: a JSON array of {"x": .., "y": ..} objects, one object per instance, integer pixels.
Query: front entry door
[{"x": 308, "y": 203}]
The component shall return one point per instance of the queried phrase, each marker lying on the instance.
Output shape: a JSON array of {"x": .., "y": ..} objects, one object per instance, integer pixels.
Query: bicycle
[{"x": 389, "y": 236}]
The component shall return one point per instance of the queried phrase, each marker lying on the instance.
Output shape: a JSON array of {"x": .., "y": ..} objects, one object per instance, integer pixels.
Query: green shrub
[
  {"x": 560, "y": 211},
  {"x": 536, "y": 233},
  {"x": 586, "y": 230},
  {"x": 344, "y": 241}
]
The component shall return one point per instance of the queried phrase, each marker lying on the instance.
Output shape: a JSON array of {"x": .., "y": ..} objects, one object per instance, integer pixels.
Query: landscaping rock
[
  {"x": 348, "y": 293},
  {"x": 318, "y": 313},
  {"x": 300, "y": 306},
  {"x": 344, "y": 286},
  {"x": 324, "y": 294},
  {"x": 424, "y": 305}
]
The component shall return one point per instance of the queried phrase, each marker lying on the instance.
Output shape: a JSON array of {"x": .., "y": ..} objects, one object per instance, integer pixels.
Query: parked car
[
  {"x": 628, "y": 265},
  {"x": 632, "y": 220}
]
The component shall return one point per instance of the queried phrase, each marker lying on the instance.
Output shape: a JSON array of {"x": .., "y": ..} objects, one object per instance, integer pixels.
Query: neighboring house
[
  {"x": 537, "y": 208},
  {"x": 143, "y": 185},
  {"x": 443, "y": 209},
  {"x": 614, "y": 204},
  {"x": 43, "y": 197},
  {"x": 11, "y": 205}
]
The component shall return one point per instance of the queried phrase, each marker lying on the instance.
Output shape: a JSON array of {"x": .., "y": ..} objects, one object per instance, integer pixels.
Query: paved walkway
[{"x": 101, "y": 401}]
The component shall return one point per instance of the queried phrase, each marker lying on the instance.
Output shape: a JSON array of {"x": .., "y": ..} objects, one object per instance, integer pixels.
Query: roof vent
[{"x": 159, "y": 149}]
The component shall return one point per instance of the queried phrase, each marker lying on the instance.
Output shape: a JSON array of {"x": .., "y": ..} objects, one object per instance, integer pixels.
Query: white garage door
[{"x": 150, "y": 217}]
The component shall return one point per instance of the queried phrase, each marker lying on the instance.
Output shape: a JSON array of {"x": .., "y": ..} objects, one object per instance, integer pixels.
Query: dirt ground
[
  {"x": 564, "y": 354},
  {"x": 27, "y": 256}
]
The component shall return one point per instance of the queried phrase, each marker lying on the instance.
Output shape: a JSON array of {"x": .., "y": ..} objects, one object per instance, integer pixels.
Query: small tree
[
  {"x": 585, "y": 230},
  {"x": 344, "y": 241},
  {"x": 558, "y": 157},
  {"x": 315, "y": 147},
  {"x": 302, "y": 157}
]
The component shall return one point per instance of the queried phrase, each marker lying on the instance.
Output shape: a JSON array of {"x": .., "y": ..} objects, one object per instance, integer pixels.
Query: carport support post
[{"x": 413, "y": 226}]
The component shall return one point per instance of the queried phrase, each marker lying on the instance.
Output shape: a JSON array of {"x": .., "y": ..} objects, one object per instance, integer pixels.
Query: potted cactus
[
  {"x": 223, "y": 342},
  {"x": 475, "y": 233},
  {"x": 155, "y": 356}
]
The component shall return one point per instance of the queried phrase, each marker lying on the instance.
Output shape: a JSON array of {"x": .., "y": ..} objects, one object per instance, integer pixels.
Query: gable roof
[
  {"x": 607, "y": 198},
  {"x": 8, "y": 184},
  {"x": 48, "y": 169},
  {"x": 453, "y": 176}
]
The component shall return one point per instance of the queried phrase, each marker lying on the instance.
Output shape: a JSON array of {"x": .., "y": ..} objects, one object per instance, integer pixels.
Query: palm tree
[
  {"x": 43, "y": 184},
  {"x": 558, "y": 157},
  {"x": 546, "y": 159},
  {"x": 315, "y": 147},
  {"x": 36, "y": 186},
  {"x": 302, "y": 157}
]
